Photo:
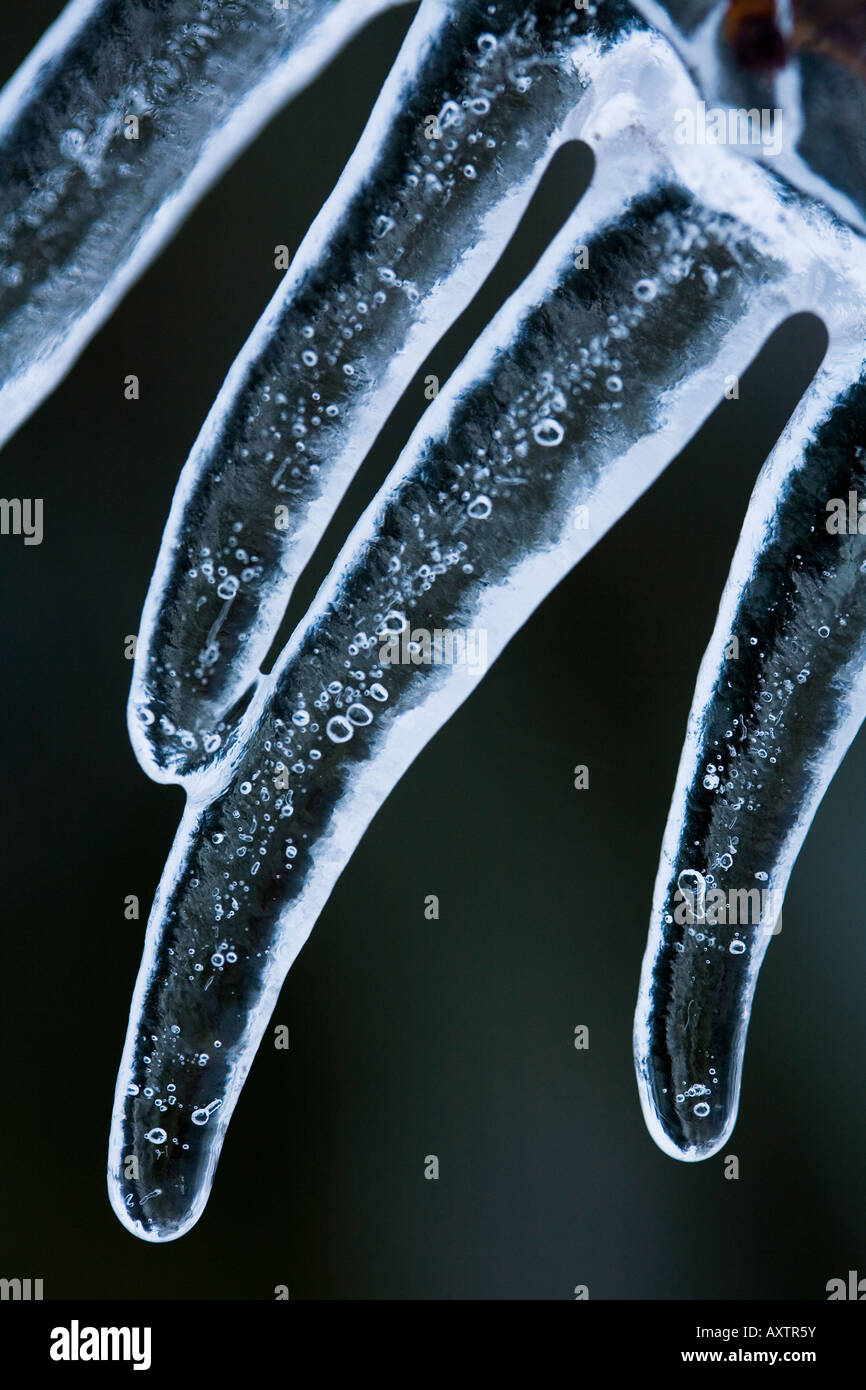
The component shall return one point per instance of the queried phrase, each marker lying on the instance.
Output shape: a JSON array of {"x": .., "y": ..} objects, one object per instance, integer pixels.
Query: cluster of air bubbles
[
  {"x": 698, "y": 1089},
  {"x": 340, "y": 728}
]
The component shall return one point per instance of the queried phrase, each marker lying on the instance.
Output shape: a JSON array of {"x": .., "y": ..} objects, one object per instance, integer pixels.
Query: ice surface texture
[
  {"x": 766, "y": 734},
  {"x": 83, "y": 208},
  {"x": 663, "y": 285},
  {"x": 470, "y": 116}
]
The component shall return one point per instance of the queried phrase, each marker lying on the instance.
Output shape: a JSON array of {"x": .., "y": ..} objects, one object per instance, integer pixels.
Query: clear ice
[
  {"x": 116, "y": 125},
  {"x": 659, "y": 290}
]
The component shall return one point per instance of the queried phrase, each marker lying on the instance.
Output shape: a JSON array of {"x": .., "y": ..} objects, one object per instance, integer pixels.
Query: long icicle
[
  {"x": 477, "y": 102},
  {"x": 780, "y": 696},
  {"x": 565, "y": 410}
]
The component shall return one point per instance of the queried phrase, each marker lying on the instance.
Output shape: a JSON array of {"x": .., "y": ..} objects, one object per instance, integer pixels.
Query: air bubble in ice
[
  {"x": 338, "y": 729},
  {"x": 646, "y": 290},
  {"x": 548, "y": 433},
  {"x": 392, "y": 626}
]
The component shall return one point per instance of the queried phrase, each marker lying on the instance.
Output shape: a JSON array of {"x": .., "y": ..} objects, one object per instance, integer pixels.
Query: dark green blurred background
[{"x": 408, "y": 1037}]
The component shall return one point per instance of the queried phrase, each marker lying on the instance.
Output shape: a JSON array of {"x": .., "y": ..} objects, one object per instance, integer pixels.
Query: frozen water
[
  {"x": 390, "y": 262},
  {"x": 113, "y": 129},
  {"x": 780, "y": 696},
  {"x": 681, "y": 296},
  {"x": 659, "y": 290}
]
